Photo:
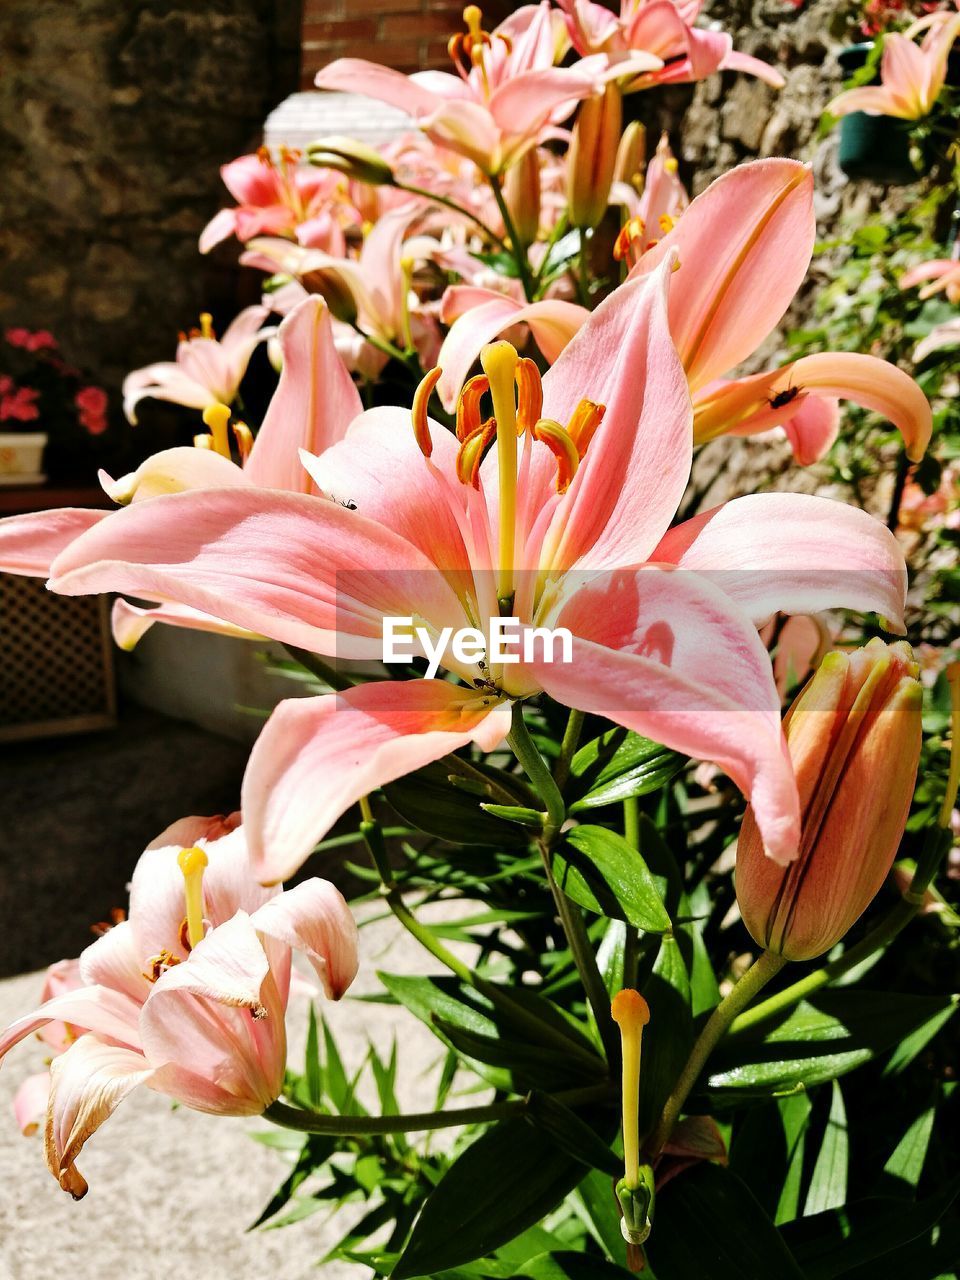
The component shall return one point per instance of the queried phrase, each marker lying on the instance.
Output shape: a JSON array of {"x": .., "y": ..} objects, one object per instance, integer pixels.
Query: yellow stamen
[
  {"x": 563, "y": 449},
  {"x": 206, "y": 325},
  {"x": 499, "y": 362},
  {"x": 631, "y": 1013},
  {"x": 473, "y": 21},
  {"x": 407, "y": 266},
  {"x": 953, "y": 777},
  {"x": 192, "y": 862},
  {"x": 203, "y": 442},
  {"x": 216, "y": 417},
  {"x": 244, "y": 438},
  {"x": 469, "y": 418},
  {"x": 529, "y": 396},
  {"x": 583, "y": 424},
  {"x": 421, "y": 398}
]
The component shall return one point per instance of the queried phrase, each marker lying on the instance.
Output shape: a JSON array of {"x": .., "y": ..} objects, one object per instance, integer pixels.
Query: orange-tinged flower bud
[
  {"x": 592, "y": 157},
  {"x": 631, "y": 155},
  {"x": 355, "y": 159},
  {"x": 521, "y": 190},
  {"x": 854, "y": 738}
]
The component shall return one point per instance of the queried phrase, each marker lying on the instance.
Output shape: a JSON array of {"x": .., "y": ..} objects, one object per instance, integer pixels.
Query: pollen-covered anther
[
  {"x": 583, "y": 424},
  {"x": 631, "y": 231},
  {"x": 558, "y": 441},
  {"x": 529, "y": 395},
  {"x": 244, "y": 438},
  {"x": 471, "y": 453},
  {"x": 469, "y": 417},
  {"x": 421, "y": 398}
]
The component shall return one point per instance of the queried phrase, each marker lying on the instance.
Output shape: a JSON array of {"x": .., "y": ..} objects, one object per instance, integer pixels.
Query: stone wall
[{"x": 115, "y": 116}]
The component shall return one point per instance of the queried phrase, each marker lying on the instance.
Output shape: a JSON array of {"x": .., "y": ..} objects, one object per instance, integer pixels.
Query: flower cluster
[{"x": 42, "y": 390}]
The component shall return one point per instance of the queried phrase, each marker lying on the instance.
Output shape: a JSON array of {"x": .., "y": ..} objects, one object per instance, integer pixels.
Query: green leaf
[
  {"x": 313, "y": 1070},
  {"x": 617, "y": 765},
  {"x": 794, "y": 1116},
  {"x": 570, "y": 1266},
  {"x": 316, "y": 1150},
  {"x": 427, "y": 801},
  {"x": 599, "y": 1206},
  {"x": 515, "y": 813},
  {"x": 574, "y": 1135},
  {"x": 828, "y": 1185},
  {"x": 667, "y": 992},
  {"x": 914, "y": 1044},
  {"x": 832, "y": 1243},
  {"x": 506, "y": 1049},
  {"x": 708, "y": 1226},
  {"x": 902, "y": 1171},
  {"x": 503, "y": 1183},
  {"x": 599, "y": 870},
  {"x": 820, "y": 1039}
]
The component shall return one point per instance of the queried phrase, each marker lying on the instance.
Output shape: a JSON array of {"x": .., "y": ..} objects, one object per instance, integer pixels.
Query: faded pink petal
[
  {"x": 130, "y": 622},
  {"x": 113, "y": 961},
  {"x": 356, "y": 742},
  {"x": 313, "y": 918},
  {"x": 87, "y": 1084},
  {"x": 793, "y": 553},
  {"x": 30, "y": 1103},
  {"x": 105, "y": 1012},
  {"x": 30, "y": 543}
]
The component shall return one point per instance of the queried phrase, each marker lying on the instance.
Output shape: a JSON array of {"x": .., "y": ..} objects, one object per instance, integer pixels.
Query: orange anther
[
  {"x": 529, "y": 395},
  {"x": 583, "y": 424},
  {"x": 563, "y": 449},
  {"x": 421, "y": 398},
  {"x": 471, "y": 453},
  {"x": 469, "y": 418}
]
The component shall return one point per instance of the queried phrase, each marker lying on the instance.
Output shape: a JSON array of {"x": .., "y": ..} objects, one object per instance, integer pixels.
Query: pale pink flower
[
  {"x": 943, "y": 275},
  {"x": 664, "y": 28},
  {"x": 282, "y": 198},
  {"x": 911, "y": 76},
  {"x": 505, "y": 94},
  {"x": 187, "y": 996},
  {"x": 207, "y": 370},
  {"x": 586, "y": 546}
]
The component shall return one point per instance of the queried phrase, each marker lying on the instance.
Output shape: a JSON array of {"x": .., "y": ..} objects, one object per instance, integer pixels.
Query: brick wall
[{"x": 410, "y": 35}]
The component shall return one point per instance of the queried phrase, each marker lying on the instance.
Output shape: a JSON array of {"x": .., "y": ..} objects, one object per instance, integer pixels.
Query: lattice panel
[{"x": 55, "y": 662}]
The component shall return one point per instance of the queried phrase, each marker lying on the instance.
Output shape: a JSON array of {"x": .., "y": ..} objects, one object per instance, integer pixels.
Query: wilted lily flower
[
  {"x": 854, "y": 739},
  {"x": 187, "y": 995}
]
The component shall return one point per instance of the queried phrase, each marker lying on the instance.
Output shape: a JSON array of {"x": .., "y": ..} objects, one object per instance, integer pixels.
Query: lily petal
[
  {"x": 105, "y": 1012},
  {"x": 130, "y": 623},
  {"x": 313, "y": 918},
  {"x": 314, "y": 403},
  {"x": 356, "y": 742},
  {"x": 744, "y": 246},
  {"x": 87, "y": 1084},
  {"x": 671, "y": 656},
  {"x": 30, "y": 543},
  {"x": 793, "y": 553}
]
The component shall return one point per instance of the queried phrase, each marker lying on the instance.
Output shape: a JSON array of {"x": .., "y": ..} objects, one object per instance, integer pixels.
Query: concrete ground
[{"x": 171, "y": 1192}]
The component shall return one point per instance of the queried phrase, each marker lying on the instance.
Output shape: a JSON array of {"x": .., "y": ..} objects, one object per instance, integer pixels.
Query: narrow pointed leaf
[{"x": 599, "y": 870}]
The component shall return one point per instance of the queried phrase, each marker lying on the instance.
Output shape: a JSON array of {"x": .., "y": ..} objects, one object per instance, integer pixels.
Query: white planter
[{"x": 21, "y": 457}]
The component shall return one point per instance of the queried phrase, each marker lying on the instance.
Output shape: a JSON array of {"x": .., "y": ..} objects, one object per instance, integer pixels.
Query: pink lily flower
[
  {"x": 943, "y": 275},
  {"x": 298, "y": 417},
  {"x": 911, "y": 77},
  {"x": 505, "y": 94},
  {"x": 187, "y": 996},
  {"x": 942, "y": 336},
  {"x": 206, "y": 371},
  {"x": 284, "y": 198},
  {"x": 664, "y": 197},
  {"x": 572, "y": 525},
  {"x": 664, "y": 28}
]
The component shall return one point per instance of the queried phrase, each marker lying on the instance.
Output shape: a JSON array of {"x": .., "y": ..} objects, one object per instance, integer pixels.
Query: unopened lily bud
[
  {"x": 854, "y": 739},
  {"x": 353, "y": 158},
  {"x": 334, "y": 290},
  {"x": 592, "y": 156},
  {"x": 631, "y": 155},
  {"x": 521, "y": 190}
]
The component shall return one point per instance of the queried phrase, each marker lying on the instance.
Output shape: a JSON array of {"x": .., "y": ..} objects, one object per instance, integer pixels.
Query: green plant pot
[{"x": 873, "y": 148}]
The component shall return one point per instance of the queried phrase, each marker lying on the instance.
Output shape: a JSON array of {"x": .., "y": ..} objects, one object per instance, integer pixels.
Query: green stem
[
  {"x": 388, "y": 348},
  {"x": 756, "y": 977},
  {"x": 631, "y": 821},
  {"x": 317, "y": 667},
  {"x": 568, "y": 746},
  {"x": 559, "y": 229},
  {"x": 516, "y": 248},
  {"x": 631, "y": 833},
  {"x": 452, "y": 204},
  {"x": 535, "y": 767},
  {"x": 583, "y": 292},
  {"x": 938, "y": 841},
  {"x": 359, "y": 1126}
]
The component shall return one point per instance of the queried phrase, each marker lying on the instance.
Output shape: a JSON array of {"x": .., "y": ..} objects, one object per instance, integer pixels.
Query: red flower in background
[
  {"x": 91, "y": 403},
  {"x": 17, "y": 403},
  {"x": 38, "y": 340}
]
